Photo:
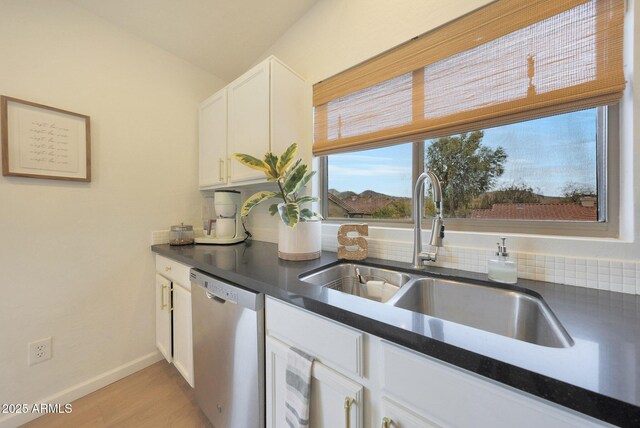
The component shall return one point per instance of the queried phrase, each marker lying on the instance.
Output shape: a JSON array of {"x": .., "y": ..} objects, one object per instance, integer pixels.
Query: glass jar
[{"x": 181, "y": 235}]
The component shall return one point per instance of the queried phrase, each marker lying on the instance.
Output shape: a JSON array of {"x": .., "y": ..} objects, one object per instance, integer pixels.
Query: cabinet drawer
[
  {"x": 449, "y": 396},
  {"x": 331, "y": 343},
  {"x": 176, "y": 272}
]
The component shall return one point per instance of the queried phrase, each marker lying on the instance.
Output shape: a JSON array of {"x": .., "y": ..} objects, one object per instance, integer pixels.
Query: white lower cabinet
[
  {"x": 182, "y": 338},
  {"x": 174, "y": 336},
  {"x": 329, "y": 393},
  {"x": 393, "y": 387},
  {"x": 163, "y": 316}
]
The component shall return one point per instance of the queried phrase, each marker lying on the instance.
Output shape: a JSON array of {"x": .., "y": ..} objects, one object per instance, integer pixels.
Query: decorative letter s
[{"x": 347, "y": 241}]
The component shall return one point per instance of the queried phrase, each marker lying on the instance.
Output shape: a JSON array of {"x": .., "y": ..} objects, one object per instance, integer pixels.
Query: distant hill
[
  {"x": 342, "y": 195},
  {"x": 366, "y": 194}
]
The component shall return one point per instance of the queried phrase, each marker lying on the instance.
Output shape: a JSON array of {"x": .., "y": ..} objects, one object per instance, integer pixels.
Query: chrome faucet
[{"x": 437, "y": 226}]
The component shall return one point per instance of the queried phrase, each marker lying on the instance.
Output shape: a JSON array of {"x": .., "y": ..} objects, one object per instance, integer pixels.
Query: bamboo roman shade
[{"x": 508, "y": 61}]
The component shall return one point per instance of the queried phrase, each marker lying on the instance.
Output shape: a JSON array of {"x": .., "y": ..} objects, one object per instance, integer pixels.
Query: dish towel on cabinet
[{"x": 298, "y": 383}]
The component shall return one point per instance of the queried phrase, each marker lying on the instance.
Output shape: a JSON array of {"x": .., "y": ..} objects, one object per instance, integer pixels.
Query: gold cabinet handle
[
  {"x": 221, "y": 165},
  {"x": 163, "y": 304},
  {"x": 348, "y": 402},
  {"x": 387, "y": 422}
]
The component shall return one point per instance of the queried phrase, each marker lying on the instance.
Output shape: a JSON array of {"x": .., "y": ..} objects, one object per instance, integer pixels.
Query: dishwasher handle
[{"x": 214, "y": 297}]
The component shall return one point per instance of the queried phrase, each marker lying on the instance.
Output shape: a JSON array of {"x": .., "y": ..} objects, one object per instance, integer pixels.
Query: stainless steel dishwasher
[{"x": 228, "y": 352}]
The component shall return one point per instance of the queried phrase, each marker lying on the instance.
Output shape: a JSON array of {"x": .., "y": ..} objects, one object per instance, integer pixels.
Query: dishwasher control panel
[
  {"x": 222, "y": 291},
  {"x": 229, "y": 292}
]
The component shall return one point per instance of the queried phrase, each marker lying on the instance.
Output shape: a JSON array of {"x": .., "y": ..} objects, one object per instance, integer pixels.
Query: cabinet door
[
  {"x": 182, "y": 335},
  {"x": 291, "y": 111},
  {"x": 213, "y": 141},
  {"x": 329, "y": 390},
  {"x": 400, "y": 417},
  {"x": 163, "y": 316},
  {"x": 249, "y": 120}
]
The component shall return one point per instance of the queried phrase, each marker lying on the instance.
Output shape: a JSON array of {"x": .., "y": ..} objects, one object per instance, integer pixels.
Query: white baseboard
[{"x": 87, "y": 387}]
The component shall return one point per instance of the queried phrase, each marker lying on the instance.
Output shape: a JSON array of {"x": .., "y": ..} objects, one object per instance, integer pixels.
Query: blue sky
[{"x": 545, "y": 154}]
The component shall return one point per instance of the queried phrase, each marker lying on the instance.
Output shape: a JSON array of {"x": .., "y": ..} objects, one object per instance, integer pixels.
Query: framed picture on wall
[{"x": 39, "y": 141}]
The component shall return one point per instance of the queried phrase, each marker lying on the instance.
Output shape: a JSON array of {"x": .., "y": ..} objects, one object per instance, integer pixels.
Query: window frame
[{"x": 608, "y": 182}]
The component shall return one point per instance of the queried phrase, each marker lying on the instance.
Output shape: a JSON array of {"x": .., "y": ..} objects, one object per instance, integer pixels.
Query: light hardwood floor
[{"x": 157, "y": 396}]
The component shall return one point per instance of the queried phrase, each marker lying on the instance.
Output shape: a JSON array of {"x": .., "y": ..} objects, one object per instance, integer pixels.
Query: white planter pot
[{"x": 302, "y": 242}]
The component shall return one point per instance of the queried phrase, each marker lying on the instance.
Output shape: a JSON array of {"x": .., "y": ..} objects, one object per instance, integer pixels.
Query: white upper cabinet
[
  {"x": 266, "y": 109},
  {"x": 249, "y": 120},
  {"x": 213, "y": 140}
]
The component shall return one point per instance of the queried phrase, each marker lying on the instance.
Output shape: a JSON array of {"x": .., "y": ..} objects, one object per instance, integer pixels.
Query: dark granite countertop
[{"x": 598, "y": 376}]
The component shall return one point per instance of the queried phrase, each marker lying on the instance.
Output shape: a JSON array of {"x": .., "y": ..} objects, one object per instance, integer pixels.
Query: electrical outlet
[{"x": 39, "y": 351}]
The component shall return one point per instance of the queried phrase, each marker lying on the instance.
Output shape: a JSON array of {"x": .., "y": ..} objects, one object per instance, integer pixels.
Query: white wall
[
  {"x": 75, "y": 262},
  {"x": 337, "y": 34}
]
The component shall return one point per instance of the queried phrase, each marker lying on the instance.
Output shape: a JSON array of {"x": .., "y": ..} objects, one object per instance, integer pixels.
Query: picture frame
[{"x": 40, "y": 141}]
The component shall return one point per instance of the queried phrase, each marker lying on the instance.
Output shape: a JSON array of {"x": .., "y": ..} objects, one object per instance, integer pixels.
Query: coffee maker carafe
[{"x": 229, "y": 229}]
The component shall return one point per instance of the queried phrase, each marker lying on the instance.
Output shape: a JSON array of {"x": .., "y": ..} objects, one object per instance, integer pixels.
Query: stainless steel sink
[
  {"x": 363, "y": 281},
  {"x": 510, "y": 313},
  {"x": 506, "y": 312}
]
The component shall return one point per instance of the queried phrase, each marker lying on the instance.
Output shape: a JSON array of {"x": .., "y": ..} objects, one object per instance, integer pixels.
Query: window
[
  {"x": 546, "y": 170},
  {"x": 374, "y": 183},
  {"x": 543, "y": 169}
]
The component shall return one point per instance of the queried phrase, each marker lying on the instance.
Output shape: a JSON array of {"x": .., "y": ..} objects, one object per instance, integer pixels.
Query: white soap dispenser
[{"x": 503, "y": 268}]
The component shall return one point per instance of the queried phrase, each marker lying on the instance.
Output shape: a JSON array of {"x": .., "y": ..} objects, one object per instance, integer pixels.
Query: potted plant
[{"x": 300, "y": 229}]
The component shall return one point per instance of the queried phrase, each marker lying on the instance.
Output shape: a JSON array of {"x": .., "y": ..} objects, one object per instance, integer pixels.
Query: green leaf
[
  {"x": 307, "y": 214},
  {"x": 273, "y": 209},
  {"x": 306, "y": 199},
  {"x": 272, "y": 161},
  {"x": 303, "y": 182},
  {"x": 251, "y": 162},
  {"x": 289, "y": 213},
  {"x": 293, "y": 180},
  {"x": 287, "y": 158},
  {"x": 288, "y": 172},
  {"x": 254, "y": 200}
]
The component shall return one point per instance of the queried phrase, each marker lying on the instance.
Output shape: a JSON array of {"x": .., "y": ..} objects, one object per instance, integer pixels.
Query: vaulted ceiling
[{"x": 223, "y": 37}]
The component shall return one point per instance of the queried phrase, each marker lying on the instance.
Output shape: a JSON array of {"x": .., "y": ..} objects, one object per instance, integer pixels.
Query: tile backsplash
[{"x": 603, "y": 274}]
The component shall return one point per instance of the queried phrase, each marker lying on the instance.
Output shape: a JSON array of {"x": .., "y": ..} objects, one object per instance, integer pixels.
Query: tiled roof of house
[
  {"x": 575, "y": 212},
  {"x": 368, "y": 205},
  {"x": 341, "y": 203}
]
